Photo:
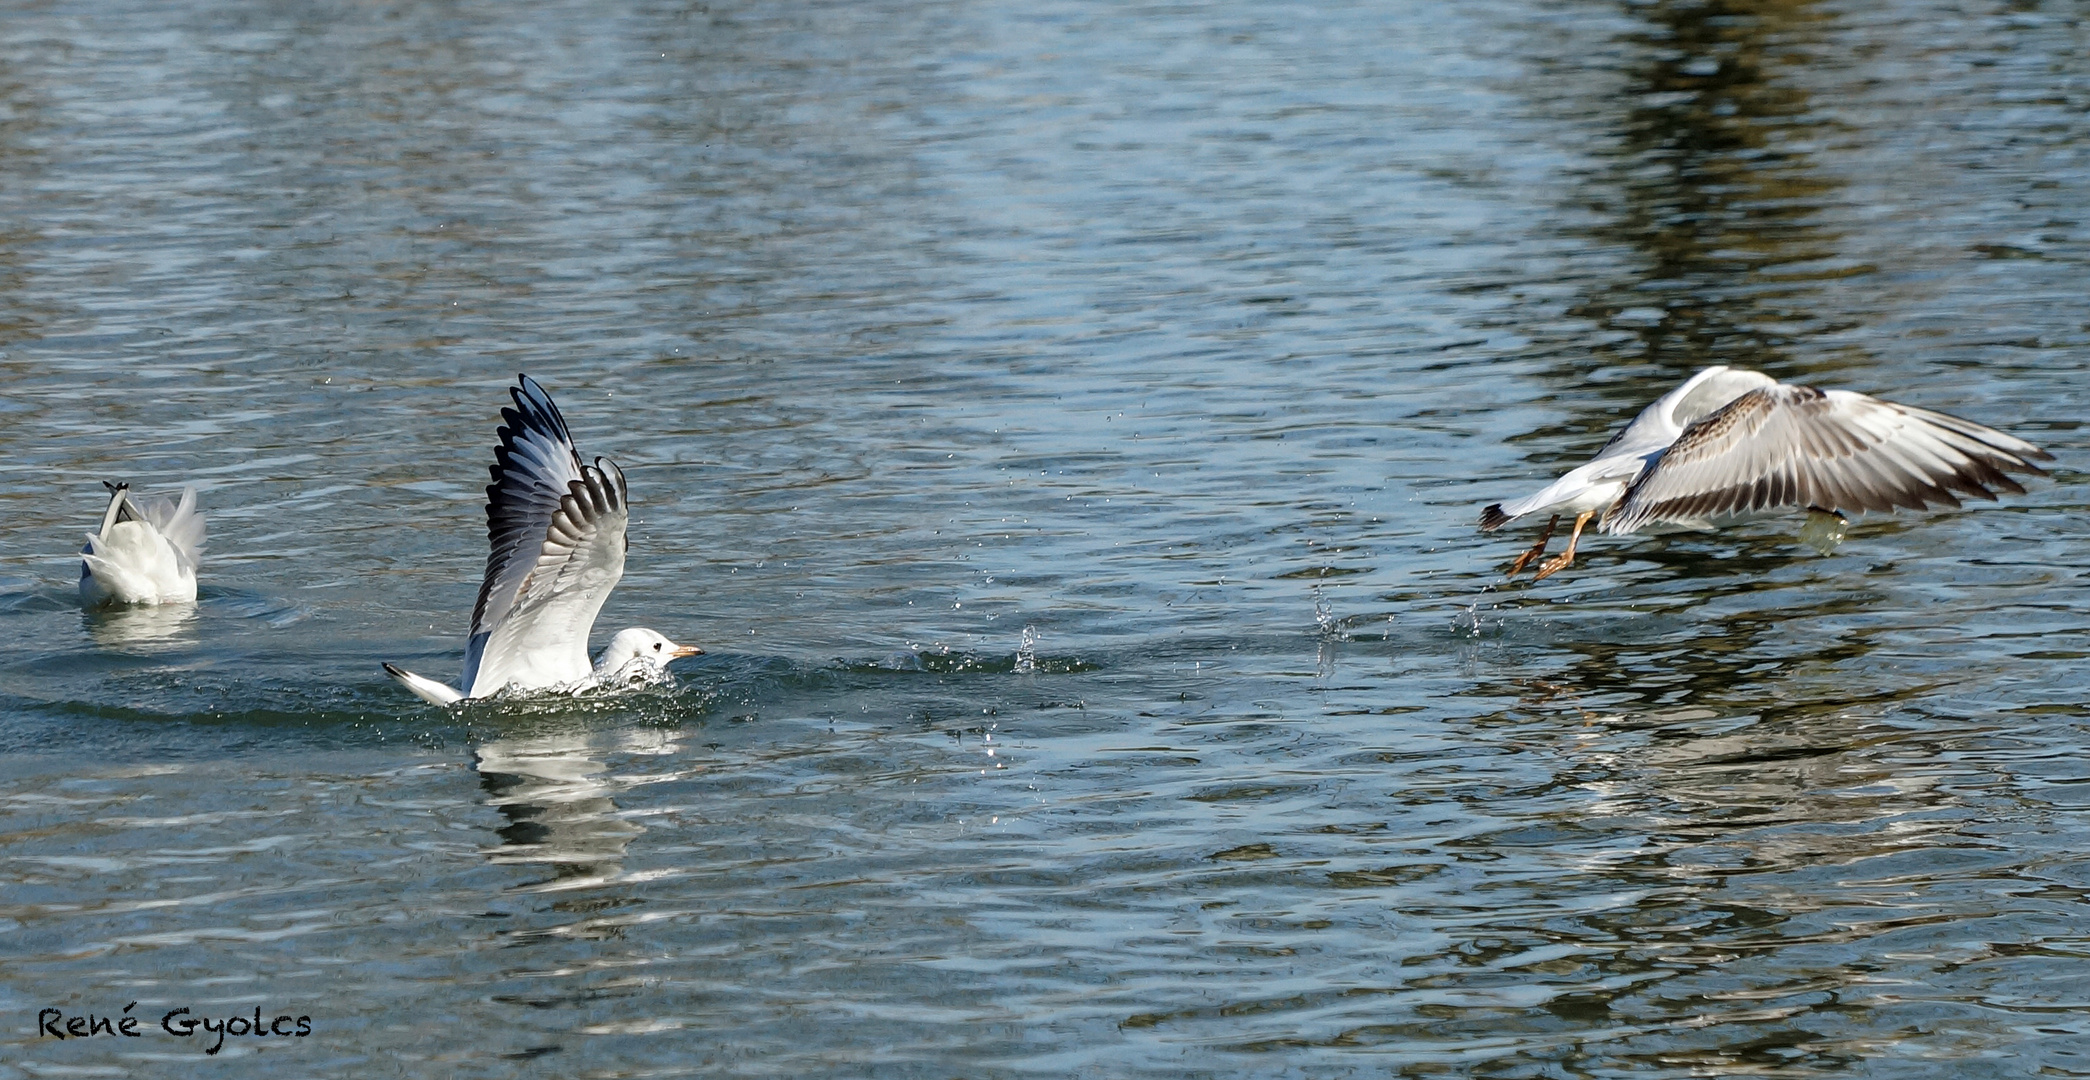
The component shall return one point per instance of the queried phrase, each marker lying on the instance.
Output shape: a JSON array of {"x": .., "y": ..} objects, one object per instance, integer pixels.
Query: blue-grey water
[{"x": 1064, "y": 426}]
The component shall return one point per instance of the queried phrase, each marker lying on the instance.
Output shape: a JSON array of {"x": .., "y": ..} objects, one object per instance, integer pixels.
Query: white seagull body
[
  {"x": 145, "y": 553},
  {"x": 557, "y": 531},
  {"x": 1730, "y": 445}
]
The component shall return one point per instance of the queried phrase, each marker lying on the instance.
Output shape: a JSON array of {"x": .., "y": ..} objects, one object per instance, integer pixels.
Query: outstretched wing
[
  {"x": 1794, "y": 446},
  {"x": 556, "y": 529}
]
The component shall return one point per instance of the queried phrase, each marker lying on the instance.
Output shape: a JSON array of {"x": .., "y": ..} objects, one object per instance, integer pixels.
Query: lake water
[{"x": 1064, "y": 426}]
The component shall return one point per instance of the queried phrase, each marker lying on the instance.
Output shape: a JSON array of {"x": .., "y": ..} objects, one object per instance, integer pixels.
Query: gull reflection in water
[
  {"x": 143, "y": 628},
  {"x": 557, "y": 795}
]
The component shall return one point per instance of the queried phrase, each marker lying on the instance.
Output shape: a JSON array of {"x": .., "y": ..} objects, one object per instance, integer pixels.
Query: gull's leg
[
  {"x": 1537, "y": 549},
  {"x": 1560, "y": 562}
]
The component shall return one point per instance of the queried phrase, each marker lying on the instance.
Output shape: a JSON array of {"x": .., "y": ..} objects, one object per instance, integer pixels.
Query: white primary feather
[{"x": 146, "y": 551}]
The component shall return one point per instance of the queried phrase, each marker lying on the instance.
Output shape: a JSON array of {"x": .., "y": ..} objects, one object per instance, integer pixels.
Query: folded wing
[{"x": 1783, "y": 446}]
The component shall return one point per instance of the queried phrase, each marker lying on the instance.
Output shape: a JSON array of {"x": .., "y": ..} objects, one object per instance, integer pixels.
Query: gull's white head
[{"x": 646, "y": 648}]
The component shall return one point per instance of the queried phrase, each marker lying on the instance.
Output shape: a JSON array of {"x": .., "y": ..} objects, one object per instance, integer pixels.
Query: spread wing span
[{"x": 1783, "y": 446}]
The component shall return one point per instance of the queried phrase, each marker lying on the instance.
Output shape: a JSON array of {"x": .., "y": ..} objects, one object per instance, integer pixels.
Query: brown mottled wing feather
[{"x": 1794, "y": 446}]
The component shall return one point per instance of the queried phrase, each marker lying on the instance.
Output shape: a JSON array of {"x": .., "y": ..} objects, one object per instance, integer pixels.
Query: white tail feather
[{"x": 425, "y": 688}]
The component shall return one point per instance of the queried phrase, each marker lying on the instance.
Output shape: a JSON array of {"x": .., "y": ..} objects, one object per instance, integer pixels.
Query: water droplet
[{"x": 1324, "y": 614}]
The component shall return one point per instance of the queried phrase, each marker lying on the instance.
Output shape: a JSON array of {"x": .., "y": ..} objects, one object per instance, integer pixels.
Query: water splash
[
  {"x": 1329, "y": 633},
  {"x": 1473, "y": 620},
  {"x": 1027, "y": 651},
  {"x": 1324, "y": 615}
]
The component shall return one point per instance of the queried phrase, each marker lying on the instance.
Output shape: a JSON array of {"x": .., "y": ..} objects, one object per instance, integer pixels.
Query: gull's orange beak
[{"x": 685, "y": 650}]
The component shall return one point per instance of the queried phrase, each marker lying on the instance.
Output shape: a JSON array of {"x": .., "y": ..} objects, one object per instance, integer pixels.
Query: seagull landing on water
[
  {"x": 557, "y": 530},
  {"x": 1730, "y": 445},
  {"x": 145, "y": 552}
]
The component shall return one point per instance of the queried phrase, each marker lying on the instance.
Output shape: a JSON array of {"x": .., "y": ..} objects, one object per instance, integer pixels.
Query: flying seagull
[
  {"x": 557, "y": 531},
  {"x": 145, "y": 552},
  {"x": 1729, "y": 445}
]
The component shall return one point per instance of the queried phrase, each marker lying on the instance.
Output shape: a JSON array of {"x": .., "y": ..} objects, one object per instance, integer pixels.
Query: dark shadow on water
[
  {"x": 1710, "y": 183},
  {"x": 1716, "y": 190}
]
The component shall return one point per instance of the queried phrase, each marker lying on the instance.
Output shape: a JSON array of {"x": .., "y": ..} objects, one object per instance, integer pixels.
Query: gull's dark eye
[{"x": 656, "y": 646}]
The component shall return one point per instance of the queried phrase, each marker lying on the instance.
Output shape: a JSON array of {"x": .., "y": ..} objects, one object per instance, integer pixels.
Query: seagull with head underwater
[
  {"x": 145, "y": 552},
  {"x": 1732, "y": 445},
  {"x": 557, "y": 531}
]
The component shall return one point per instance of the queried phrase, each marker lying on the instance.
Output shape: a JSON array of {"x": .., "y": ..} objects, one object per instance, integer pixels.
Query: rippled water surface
[{"x": 1064, "y": 426}]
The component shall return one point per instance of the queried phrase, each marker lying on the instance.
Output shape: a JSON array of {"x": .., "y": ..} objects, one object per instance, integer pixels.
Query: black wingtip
[
  {"x": 393, "y": 671},
  {"x": 1493, "y": 518},
  {"x": 615, "y": 478},
  {"x": 534, "y": 409}
]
